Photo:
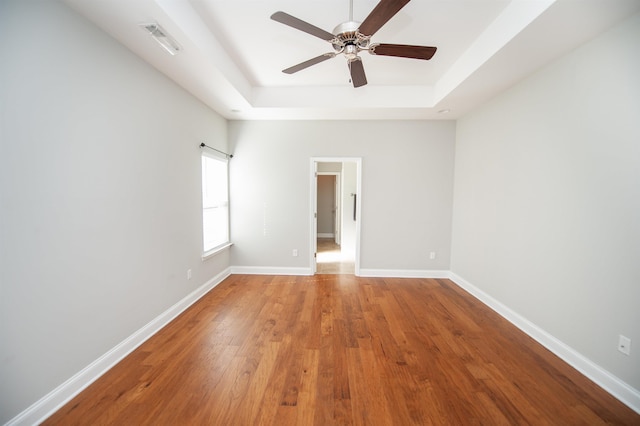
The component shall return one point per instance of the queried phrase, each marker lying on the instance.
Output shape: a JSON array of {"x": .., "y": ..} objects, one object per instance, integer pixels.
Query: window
[{"x": 215, "y": 202}]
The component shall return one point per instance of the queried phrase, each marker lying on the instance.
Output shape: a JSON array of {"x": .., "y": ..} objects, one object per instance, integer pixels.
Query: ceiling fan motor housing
[{"x": 348, "y": 40}]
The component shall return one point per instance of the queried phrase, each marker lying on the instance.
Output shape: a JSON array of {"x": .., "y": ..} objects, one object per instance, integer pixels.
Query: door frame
[{"x": 313, "y": 208}]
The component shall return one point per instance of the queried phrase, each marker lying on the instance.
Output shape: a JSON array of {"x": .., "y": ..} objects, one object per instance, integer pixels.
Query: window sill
[{"x": 209, "y": 254}]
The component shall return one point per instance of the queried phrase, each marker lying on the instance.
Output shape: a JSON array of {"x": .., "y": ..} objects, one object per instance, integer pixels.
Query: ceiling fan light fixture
[
  {"x": 350, "y": 51},
  {"x": 163, "y": 38}
]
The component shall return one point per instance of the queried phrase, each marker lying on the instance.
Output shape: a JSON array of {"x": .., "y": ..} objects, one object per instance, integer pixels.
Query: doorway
[
  {"x": 335, "y": 213},
  {"x": 328, "y": 195},
  {"x": 331, "y": 259}
]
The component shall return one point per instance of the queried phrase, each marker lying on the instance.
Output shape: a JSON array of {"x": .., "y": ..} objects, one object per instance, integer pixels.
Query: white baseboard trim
[
  {"x": 627, "y": 394},
  {"x": 270, "y": 270},
  {"x": 326, "y": 235},
  {"x": 399, "y": 273},
  {"x": 54, "y": 400}
]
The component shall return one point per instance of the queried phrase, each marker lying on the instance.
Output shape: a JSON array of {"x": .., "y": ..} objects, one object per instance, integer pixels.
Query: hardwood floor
[
  {"x": 338, "y": 349},
  {"x": 331, "y": 260}
]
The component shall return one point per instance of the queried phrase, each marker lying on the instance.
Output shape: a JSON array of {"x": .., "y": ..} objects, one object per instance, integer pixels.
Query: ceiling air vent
[{"x": 163, "y": 38}]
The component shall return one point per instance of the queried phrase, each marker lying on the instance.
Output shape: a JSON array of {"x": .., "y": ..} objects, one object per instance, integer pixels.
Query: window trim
[
  {"x": 220, "y": 247},
  {"x": 216, "y": 250}
]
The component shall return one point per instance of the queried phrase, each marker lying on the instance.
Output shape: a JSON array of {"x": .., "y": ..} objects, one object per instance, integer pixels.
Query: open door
[
  {"x": 337, "y": 216},
  {"x": 314, "y": 217}
]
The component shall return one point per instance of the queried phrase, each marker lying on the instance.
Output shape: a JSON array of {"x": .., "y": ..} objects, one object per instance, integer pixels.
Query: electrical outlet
[
  {"x": 188, "y": 274},
  {"x": 624, "y": 345},
  {"x": 295, "y": 253},
  {"x": 432, "y": 255}
]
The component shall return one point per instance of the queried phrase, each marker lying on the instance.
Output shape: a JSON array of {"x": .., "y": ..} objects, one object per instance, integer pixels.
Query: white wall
[
  {"x": 406, "y": 190},
  {"x": 329, "y": 167},
  {"x": 100, "y": 197},
  {"x": 547, "y": 199}
]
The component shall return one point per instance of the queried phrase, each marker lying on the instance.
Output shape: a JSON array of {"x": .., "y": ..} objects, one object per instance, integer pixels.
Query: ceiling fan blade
[
  {"x": 403, "y": 50},
  {"x": 307, "y": 64},
  {"x": 380, "y": 15},
  {"x": 299, "y": 24},
  {"x": 358, "y": 77}
]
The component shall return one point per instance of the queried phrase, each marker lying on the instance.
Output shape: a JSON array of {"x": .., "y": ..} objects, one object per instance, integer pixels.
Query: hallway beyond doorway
[{"x": 331, "y": 260}]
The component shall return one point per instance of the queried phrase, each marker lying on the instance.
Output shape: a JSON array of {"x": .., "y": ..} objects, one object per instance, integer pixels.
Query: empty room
[{"x": 340, "y": 212}]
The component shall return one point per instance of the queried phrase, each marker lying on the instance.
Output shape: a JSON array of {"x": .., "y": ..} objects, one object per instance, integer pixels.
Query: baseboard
[
  {"x": 270, "y": 270},
  {"x": 326, "y": 235},
  {"x": 372, "y": 273},
  {"x": 399, "y": 273},
  {"x": 54, "y": 400},
  {"x": 610, "y": 383}
]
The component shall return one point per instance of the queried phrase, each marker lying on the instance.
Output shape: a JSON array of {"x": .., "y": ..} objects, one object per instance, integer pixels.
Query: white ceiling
[{"x": 233, "y": 53}]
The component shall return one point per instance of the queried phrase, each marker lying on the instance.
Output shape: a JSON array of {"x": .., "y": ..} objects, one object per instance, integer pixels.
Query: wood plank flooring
[
  {"x": 338, "y": 349},
  {"x": 331, "y": 259}
]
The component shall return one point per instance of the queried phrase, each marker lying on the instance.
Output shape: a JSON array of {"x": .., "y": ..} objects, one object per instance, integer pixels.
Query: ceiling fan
[{"x": 350, "y": 38}]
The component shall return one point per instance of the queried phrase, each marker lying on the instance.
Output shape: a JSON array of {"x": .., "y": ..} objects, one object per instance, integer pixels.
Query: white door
[
  {"x": 314, "y": 220},
  {"x": 337, "y": 216}
]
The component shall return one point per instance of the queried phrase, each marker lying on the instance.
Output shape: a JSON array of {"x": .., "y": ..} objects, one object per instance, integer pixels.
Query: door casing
[{"x": 313, "y": 208}]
